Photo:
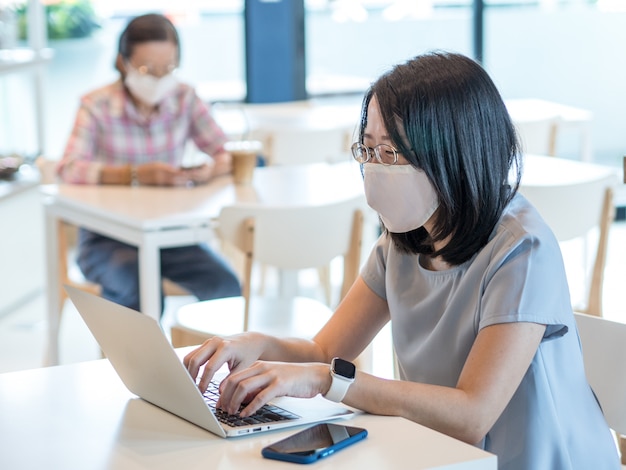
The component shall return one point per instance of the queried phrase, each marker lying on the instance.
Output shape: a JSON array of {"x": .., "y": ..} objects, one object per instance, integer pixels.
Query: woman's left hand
[
  {"x": 262, "y": 381},
  {"x": 160, "y": 174}
]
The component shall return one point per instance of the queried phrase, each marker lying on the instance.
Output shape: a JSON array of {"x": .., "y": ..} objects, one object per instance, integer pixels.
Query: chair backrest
[
  {"x": 604, "y": 355},
  {"x": 296, "y": 146},
  {"x": 293, "y": 133},
  {"x": 571, "y": 211},
  {"x": 538, "y": 135},
  {"x": 238, "y": 120},
  {"x": 295, "y": 237}
]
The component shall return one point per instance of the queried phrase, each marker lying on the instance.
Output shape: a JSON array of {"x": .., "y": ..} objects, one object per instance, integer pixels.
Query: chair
[
  {"x": 290, "y": 238},
  {"x": 603, "y": 353},
  {"x": 572, "y": 210},
  {"x": 296, "y": 146},
  {"x": 68, "y": 273},
  {"x": 300, "y": 146},
  {"x": 292, "y": 133},
  {"x": 538, "y": 135}
]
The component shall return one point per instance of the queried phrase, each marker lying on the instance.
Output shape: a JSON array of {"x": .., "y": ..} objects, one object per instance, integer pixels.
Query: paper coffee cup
[{"x": 244, "y": 153}]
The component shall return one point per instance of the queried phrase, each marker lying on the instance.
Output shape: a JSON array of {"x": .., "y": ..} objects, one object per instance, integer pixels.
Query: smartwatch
[{"x": 342, "y": 374}]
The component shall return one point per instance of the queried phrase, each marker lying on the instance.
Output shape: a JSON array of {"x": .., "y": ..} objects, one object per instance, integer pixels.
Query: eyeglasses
[
  {"x": 385, "y": 154},
  {"x": 154, "y": 71}
]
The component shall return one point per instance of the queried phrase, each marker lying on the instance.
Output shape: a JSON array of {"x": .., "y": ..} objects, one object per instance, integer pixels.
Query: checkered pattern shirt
[{"x": 109, "y": 131}]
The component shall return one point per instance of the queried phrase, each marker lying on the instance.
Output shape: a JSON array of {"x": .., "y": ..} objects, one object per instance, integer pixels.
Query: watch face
[{"x": 344, "y": 368}]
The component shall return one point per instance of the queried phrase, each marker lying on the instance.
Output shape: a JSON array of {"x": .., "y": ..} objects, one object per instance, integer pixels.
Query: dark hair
[
  {"x": 145, "y": 28},
  {"x": 445, "y": 115}
]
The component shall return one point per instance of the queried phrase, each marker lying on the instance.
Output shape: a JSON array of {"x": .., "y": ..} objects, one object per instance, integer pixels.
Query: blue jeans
[{"x": 114, "y": 266}]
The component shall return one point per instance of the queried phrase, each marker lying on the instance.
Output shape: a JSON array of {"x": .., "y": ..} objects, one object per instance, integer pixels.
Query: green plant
[{"x": 64, "y": 19}]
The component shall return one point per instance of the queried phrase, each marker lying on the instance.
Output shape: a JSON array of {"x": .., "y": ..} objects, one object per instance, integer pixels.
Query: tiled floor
[{"x": 22, "y": 334}]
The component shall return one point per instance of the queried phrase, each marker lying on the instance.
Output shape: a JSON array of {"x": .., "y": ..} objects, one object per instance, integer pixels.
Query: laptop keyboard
[{"x": 265, "y": 414}]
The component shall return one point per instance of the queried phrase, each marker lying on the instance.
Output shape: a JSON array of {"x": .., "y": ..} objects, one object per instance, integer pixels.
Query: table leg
[
  {"x": 52, "y": 224},
  {"x": 150, "y": 277}
]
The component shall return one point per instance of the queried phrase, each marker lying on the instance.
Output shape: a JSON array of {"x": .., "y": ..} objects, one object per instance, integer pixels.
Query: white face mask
[
  {"x": 148, "y": 88},
  {"x": 401, "y": 194}
]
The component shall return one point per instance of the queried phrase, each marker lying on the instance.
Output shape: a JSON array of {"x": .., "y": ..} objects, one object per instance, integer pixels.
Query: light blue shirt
[{"x": 553, "y": 420}]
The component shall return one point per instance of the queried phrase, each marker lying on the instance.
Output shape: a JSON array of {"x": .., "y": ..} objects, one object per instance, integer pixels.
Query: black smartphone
[{"x": 314, "y": 443}]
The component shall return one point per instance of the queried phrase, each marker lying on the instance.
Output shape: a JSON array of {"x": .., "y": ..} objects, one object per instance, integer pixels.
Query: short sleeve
[
  {"x": 527, "y": 282},
  {"x": 374, "y": 270},
  {"x": 205, "y": 131},
  {"x": 78, "y": 165}
]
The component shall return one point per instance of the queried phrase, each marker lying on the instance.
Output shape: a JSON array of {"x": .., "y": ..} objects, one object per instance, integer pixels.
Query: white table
[
  {"x": 313, "y": 113},
  {"x": 81, "y": 416},
  {"x": 152, "y": 218},
  {"x": 541, "y": 170},
  {"x": 317, "y": 86},
  {"x": 241, "y": 118},
  {"x": 260, "y": 120}
]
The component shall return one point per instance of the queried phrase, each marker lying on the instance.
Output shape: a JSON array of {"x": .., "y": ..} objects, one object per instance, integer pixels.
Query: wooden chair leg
[
  {"x": 594, "y": 297},
  {"x": 365, "y": 361},
  {"x": 325, "y": 281},
  {"x": 396, "y": 367},
  {"x": 182, "y": 337}
]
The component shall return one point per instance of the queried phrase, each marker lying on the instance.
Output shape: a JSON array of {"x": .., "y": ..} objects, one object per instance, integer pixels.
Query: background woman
[{"x": 136, "y": 129}]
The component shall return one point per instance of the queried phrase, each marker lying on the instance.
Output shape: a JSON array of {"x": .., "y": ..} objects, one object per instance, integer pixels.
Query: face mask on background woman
[{"x": 148, "y": 88}]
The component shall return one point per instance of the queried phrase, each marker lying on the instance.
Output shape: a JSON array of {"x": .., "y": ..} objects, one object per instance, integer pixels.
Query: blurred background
[
  {"x": 568, "y": 52},
  {"x": 565, "y": 51}
]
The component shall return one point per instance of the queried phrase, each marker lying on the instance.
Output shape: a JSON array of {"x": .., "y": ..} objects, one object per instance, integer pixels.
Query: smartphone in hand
[{"x": 314, "y": 443}]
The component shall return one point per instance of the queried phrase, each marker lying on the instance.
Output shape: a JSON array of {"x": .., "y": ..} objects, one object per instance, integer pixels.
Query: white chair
[
  {"x": 604, "y": 356},
  {"x": 292, "y": 133},
  {"x": 572, "y": 210},
  {"x": 296, "y": 146},
  {"x": 300, "y": 146},
  {"x": 537, "y": 124},
  {"x": 290, "y": 238},
  {"x": 69, "y": 273}
]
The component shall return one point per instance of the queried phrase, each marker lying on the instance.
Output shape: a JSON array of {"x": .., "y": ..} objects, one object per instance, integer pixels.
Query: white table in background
[
  {"x": 152, "y": 218},
  {"x": 542, "y": 170},
  {"x": 81, "y": 417},
  {"x": 241, "y": 120}
]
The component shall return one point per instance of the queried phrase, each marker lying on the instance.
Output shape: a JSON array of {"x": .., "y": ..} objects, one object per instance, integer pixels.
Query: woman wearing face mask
[
  {"x": 467, "y": 272},
  {"x": 137, "y": 128}
]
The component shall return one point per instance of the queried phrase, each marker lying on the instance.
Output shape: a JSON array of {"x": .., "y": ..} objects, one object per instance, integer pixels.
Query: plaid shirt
[{"x": 109, "y": 131}]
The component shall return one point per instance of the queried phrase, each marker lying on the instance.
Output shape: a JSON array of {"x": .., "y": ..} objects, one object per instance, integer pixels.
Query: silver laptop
[{"x": 150, "y": 368}]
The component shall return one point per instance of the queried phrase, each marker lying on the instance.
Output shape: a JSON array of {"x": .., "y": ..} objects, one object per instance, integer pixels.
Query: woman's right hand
[
  {"x": 237, "y": 351},
  {"x": 161, "y": 174}
]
